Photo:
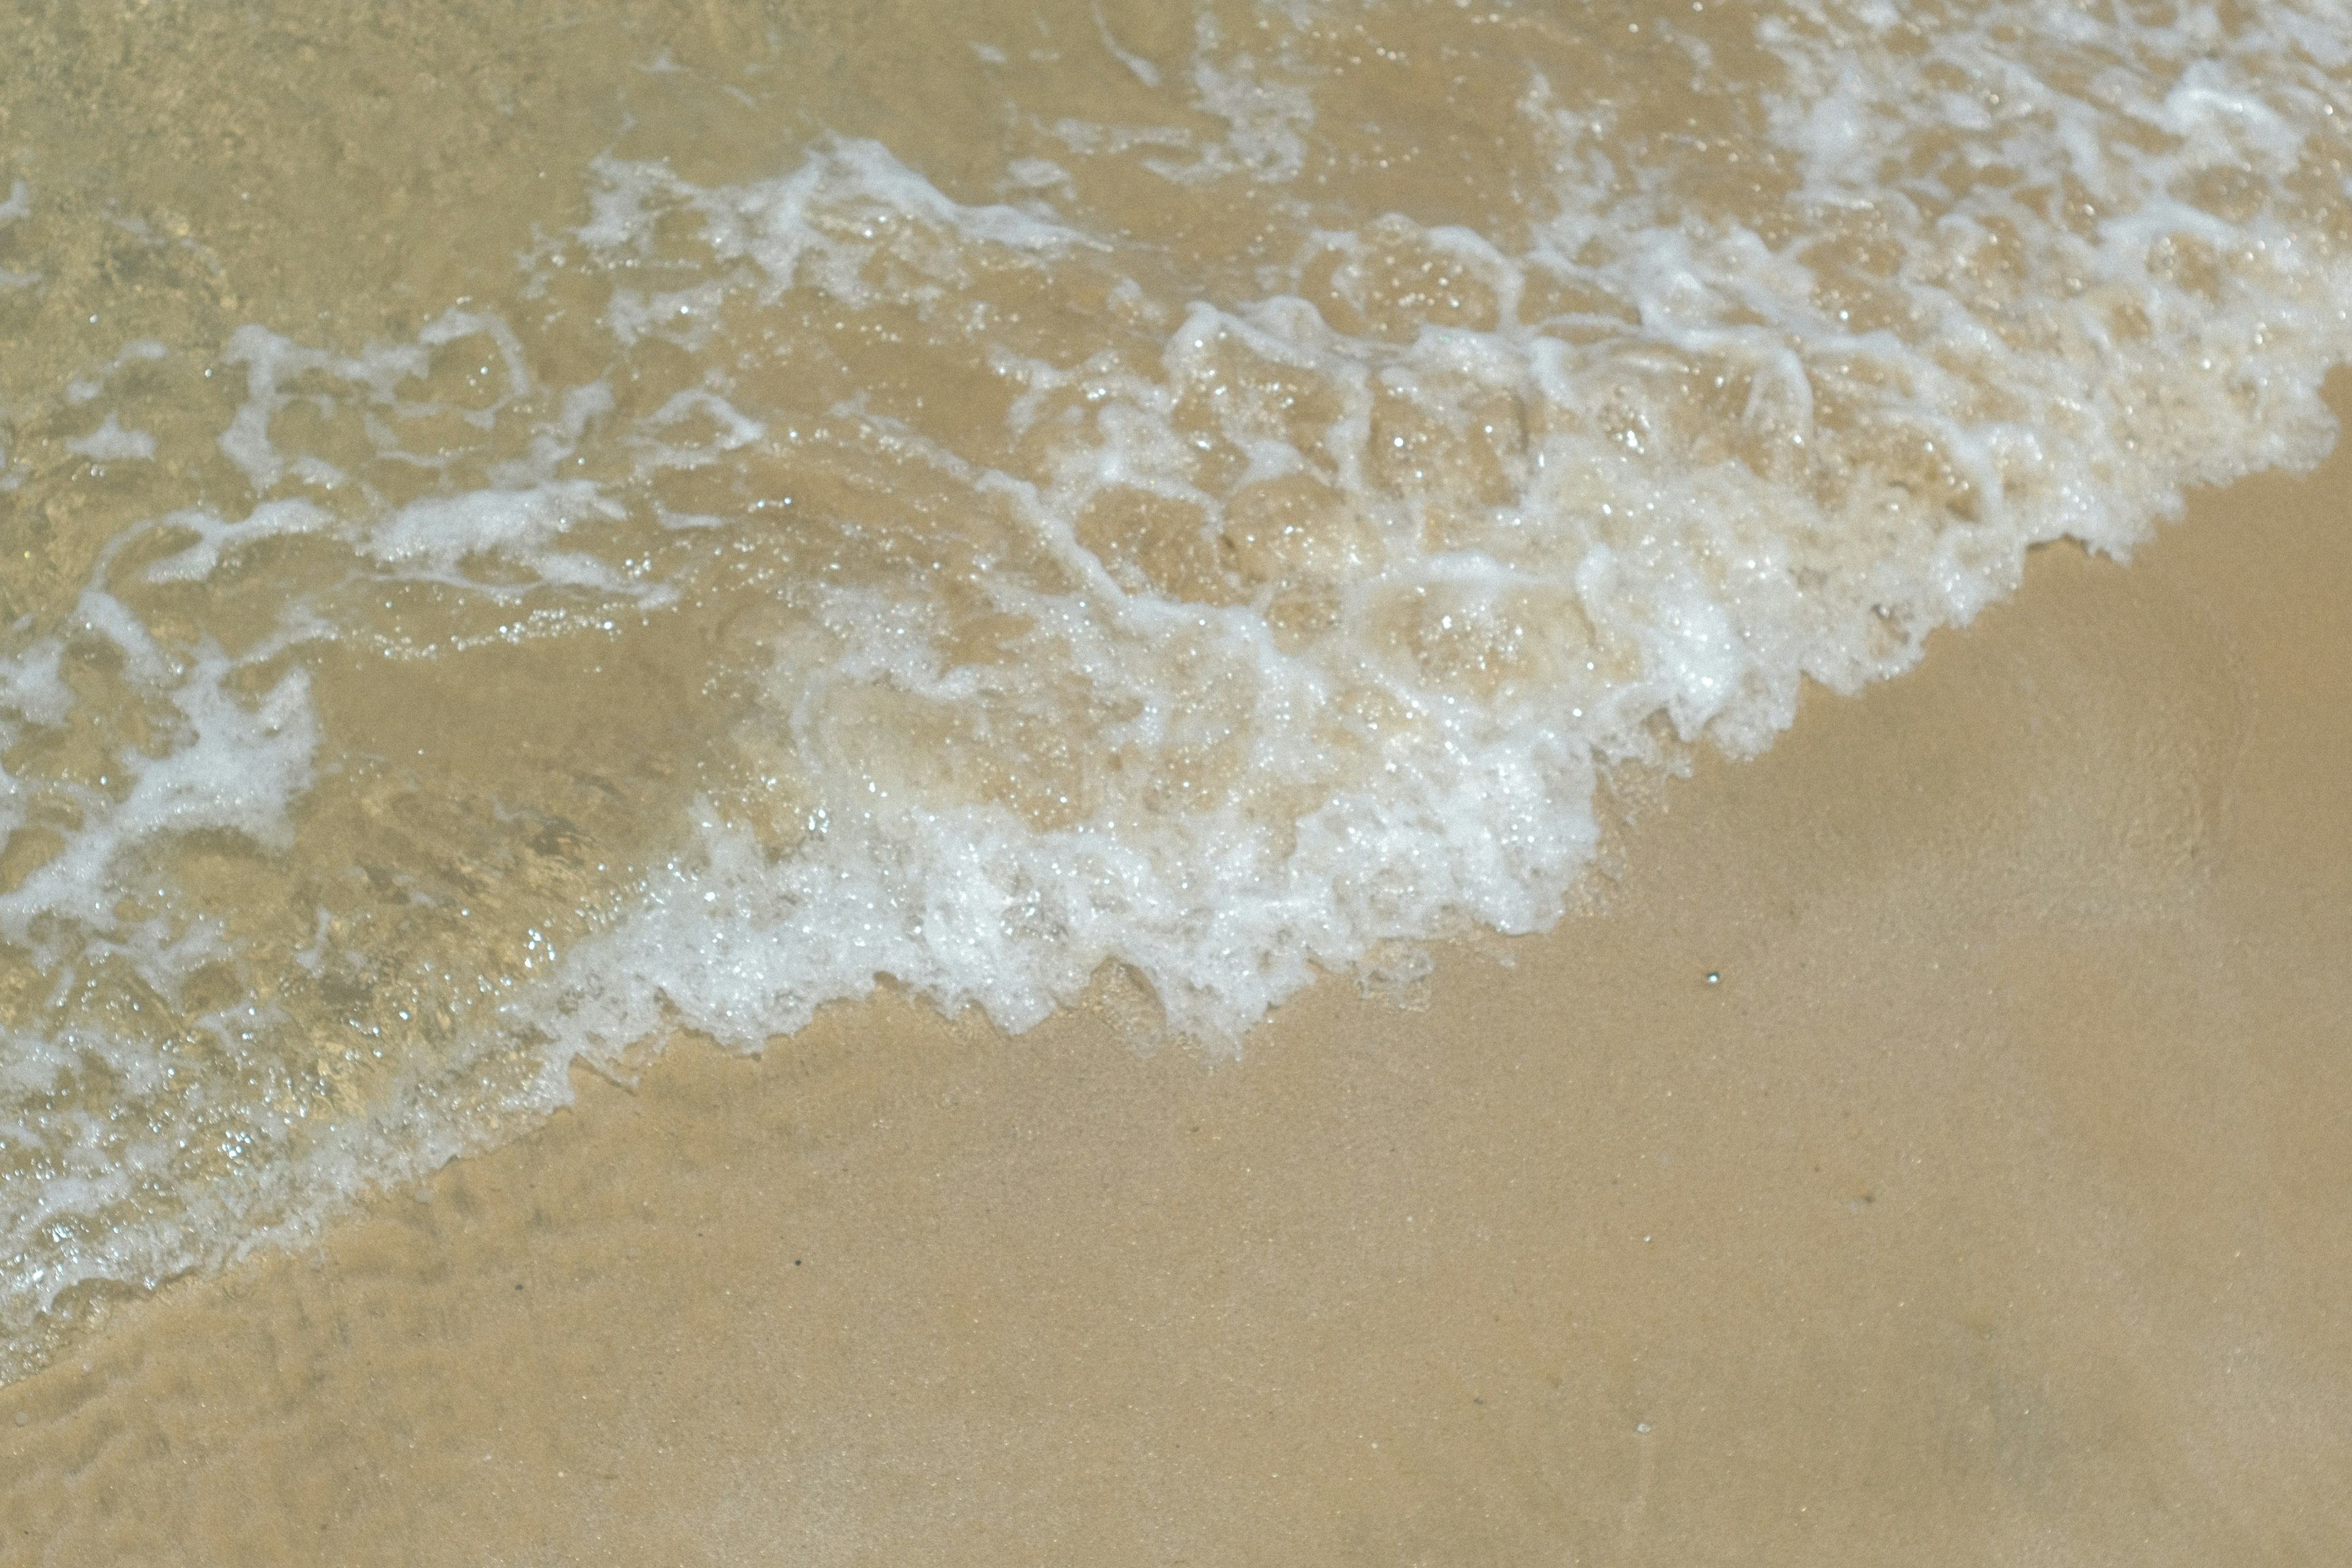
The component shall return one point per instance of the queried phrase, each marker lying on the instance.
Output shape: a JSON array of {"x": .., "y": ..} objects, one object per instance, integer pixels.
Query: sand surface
[{"x": 1931, "y": 1148}]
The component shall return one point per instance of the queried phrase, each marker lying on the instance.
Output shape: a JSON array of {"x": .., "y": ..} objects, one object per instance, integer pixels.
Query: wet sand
[{"x": 1931, "y": 1148}]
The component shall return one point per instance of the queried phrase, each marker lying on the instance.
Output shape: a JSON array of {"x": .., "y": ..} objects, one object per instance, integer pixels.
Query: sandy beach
[
  {"x": 638, "y": 482},
  {"x": 1928, "y": 1147}
]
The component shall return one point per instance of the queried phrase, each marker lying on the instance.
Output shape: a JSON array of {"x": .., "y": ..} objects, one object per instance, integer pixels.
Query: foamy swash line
[
  {"x": 1400, "y": 583},
  {"x": 1088, "y": 602}
]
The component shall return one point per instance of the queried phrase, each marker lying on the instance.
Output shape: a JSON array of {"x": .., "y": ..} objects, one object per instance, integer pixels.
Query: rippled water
[{"x": 526, "y": 534}]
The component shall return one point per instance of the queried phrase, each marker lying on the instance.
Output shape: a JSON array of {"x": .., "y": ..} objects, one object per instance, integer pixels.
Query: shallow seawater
[{"x": 530, "y": 532}]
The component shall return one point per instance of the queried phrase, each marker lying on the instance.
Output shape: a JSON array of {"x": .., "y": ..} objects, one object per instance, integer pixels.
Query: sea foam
[{"x": 1162, "y": 551}]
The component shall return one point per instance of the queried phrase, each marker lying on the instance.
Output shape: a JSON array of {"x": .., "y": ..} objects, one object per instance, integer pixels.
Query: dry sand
[{"x": 1992, "y": 1203}]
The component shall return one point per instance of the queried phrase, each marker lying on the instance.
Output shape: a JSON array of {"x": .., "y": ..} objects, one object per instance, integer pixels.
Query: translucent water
[{"x": 991, "y": 496}]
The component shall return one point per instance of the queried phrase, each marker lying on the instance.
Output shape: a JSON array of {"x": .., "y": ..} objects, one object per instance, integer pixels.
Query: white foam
[
  {"x": 235, "y": 768},
  {"x": 435, "y": 536},
  {"x": 1265, "y": 117},
  {"x": 112, "y": 443},
  {"x": 1143, "y": 69},
  {"x": 216, "y": 536}
]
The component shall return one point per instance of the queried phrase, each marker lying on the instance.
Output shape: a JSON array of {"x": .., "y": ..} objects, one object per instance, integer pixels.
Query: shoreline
[{"x": 1984, "y": 1205}]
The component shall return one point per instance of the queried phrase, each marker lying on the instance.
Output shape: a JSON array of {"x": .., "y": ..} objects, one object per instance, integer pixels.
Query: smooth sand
[{"x": 1994, "y": 1206}]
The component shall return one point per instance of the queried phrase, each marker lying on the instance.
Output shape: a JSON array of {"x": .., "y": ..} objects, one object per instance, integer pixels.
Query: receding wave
[{"x": 1184, "y": 548}]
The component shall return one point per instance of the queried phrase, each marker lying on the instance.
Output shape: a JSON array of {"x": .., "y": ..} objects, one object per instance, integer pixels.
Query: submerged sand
[{"x": 1931, "y": 1148}]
